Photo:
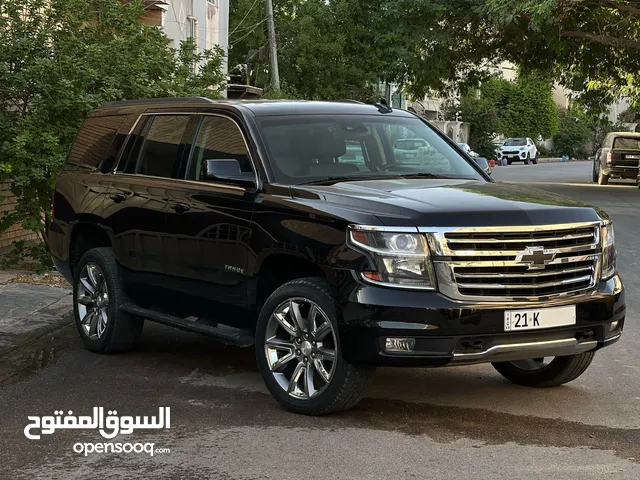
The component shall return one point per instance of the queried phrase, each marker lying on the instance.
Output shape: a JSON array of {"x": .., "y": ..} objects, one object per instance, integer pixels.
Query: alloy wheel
[
  {"x": 301, "y": 348},
  {"x": 93, "y": 301}
]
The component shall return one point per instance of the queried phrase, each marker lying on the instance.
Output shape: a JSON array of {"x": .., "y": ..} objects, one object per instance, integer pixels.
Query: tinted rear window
[
  {"x": 93, "y": 141},
  {"x": 627, "y": 143}
]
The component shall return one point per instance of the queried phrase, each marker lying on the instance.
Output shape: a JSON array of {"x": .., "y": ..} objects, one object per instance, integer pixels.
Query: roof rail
[
  {"x": 346, "y": 100},
  {"x": 154, "y": 101}
]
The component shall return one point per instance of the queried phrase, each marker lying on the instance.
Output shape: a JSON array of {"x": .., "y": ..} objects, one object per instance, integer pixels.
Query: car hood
[{"x": 444, "y": 203}]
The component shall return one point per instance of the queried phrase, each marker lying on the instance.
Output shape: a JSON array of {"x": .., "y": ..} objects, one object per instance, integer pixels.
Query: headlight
[
  {"x": 608, "y": 251},
  {"x": 398, "y": 259}
]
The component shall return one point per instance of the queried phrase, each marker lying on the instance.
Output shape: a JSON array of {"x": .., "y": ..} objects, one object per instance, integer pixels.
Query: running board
[{"x": 225, "y": 333}]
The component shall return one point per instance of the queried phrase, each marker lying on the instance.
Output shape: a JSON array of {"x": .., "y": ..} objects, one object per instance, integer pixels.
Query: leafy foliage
[
  {"x": 522, "y": 108},
  {"x": 591, "y": 46},
  {"x": 525, "y": 108},
  {"x": 573, "y": 134},
  {"x": 60, "y": 59}
]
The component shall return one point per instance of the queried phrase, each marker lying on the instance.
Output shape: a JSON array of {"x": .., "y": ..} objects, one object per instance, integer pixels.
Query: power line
[
  {"x": 248, "y": 33},
  {"x": 253, "y": 26},
  {"x": 245, "y": 17},
  {"x": 244, "y": 36}
]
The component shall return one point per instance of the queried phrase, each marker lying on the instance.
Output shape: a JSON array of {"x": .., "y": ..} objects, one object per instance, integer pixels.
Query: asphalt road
[{"x": 443, "y": 423}]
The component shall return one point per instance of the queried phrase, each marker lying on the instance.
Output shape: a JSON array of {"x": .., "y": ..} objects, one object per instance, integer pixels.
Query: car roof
[
  {"x": 257, "y": 108},
  {"x": 625, "y": 134}
]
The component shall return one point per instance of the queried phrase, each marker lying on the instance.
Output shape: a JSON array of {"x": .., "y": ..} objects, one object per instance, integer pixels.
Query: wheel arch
[
  {"x": 279, "y": 268},
  {"x": 84, "y": 237}
]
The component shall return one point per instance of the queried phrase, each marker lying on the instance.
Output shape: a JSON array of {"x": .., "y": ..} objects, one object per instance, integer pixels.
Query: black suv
[{"x": 295, "y": 227}]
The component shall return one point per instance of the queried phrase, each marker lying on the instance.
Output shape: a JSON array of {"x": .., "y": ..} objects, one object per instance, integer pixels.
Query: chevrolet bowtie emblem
[{"x": 536, "y": 257}]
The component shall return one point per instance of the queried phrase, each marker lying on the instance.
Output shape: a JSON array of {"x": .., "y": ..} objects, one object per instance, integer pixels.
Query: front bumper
[
  {"x": 449, "y": 332},
  {"x": 514, "y": 157}
]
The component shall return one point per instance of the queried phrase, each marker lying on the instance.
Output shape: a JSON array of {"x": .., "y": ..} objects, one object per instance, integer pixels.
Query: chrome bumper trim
[{"x": 525, "y": 350}]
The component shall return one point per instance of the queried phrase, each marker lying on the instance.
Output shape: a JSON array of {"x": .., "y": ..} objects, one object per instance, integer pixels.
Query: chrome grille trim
[
  {"x": 496, "y": 286},
  {"x": 540, "y": 273},
  {"x": 491, "y": 273}
]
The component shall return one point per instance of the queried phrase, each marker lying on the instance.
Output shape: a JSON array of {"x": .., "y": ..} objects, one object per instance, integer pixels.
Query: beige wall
[{"x": 7, "y": 203}]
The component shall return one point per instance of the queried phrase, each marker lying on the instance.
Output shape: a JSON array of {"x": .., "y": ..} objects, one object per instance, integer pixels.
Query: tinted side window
[
  {"x": 92, "y": 144},
  {"x": 162, "y": 147},
  {"x": 219, "y": 138}
]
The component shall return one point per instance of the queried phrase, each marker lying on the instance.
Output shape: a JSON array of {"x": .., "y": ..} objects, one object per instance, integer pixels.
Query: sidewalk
[{"x": 32, "y": 317}]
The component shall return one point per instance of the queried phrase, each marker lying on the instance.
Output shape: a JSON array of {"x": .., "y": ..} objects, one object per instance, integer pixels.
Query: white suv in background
[{"x": 519, "y": 150}]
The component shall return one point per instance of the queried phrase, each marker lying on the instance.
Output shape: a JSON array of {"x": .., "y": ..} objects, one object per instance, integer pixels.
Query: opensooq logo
[{"x": 109, "y": 426}]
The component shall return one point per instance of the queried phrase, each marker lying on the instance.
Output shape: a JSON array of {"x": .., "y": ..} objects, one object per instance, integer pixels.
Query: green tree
[
  {"x": 590, "y": 46},
  {"x": 62, "y": 58},
  {"x": 574, "y": 132},
  {"x": 522, "y": 108},
  {"x": 481, "y": 115},
  {"x": 525, "y": 108}
]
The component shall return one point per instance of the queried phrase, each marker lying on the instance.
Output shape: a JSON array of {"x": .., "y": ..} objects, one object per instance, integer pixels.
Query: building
[{"x": 204, "y": 21}]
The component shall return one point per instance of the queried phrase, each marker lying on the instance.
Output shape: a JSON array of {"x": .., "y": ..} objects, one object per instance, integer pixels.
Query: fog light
[
  {"x": 614, "y": 325},
  {"x": 400, "y": 344}
]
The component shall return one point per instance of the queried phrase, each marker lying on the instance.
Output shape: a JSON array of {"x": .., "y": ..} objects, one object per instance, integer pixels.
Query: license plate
[{"x": 534, "y": 319}]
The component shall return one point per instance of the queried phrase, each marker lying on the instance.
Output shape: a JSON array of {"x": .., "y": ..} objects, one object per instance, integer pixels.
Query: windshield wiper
[
  {"x": 351, "y": 178},
  {"x": 427, "y": 175}
]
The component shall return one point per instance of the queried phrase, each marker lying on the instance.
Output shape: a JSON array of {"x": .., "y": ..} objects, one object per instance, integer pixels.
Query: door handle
[
  {"x": 180, "y": 207},
  {"x": 118, "y": 197}
]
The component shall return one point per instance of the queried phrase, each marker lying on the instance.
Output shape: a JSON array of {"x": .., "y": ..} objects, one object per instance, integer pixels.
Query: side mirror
[{"x": 227, "y": 171}]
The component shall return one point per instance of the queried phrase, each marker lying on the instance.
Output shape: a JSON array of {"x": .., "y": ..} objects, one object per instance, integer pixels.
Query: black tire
[
  {"x": 602, "y": 178},
  {"x": 526, "y": 160},
  {"x": 122, "y": 330},
  {"x": 559, "y": 371},
  {"x": 535, "y": 159},
  {"x": 594, "y": 174},
  {"x": 348, "y": 382}
]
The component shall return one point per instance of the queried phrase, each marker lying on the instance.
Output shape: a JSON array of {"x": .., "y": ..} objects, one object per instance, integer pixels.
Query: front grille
[{"x": 484, "y": 263}]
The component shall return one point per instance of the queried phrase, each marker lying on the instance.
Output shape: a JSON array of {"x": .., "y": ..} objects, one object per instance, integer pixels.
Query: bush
[{"x": 573, "y": 134}]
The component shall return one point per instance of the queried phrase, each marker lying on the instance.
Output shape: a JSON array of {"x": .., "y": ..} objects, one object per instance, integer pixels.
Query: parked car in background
[
  {"x": 518, "y": 150},
  {"x": 618, "y": 157},
  {"x": 467, "y": 149},
  {"x": 408, "y": 148},
  {"x": 484, "y": 164}
]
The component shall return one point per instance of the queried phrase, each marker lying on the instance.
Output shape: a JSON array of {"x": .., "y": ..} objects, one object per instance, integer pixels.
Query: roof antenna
[{"x": 383, "y": 106}]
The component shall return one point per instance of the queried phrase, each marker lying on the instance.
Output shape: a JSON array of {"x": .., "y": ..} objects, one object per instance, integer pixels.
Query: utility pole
[{"x": 273, "y": 51}]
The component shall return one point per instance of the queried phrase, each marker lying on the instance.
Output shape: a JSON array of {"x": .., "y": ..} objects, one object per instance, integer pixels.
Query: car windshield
[
  {"x": 629, "y": 143},
  {"x": 317, "y": 148},
  {"x": 515, "y": 142}
]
